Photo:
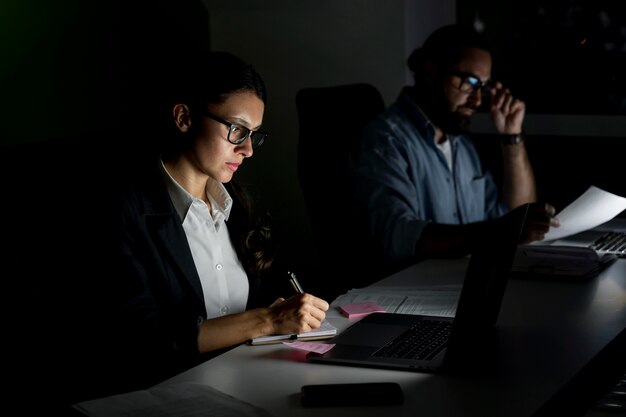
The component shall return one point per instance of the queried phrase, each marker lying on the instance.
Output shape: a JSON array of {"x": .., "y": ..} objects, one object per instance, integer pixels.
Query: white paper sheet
[
  {"x": 591, "y": 209},
  {"x": 430, "y": 302},
  {"x": 179, "y": 400}
]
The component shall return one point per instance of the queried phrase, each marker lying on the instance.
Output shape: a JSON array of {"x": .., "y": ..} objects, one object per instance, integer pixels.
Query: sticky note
[
  {"x": 311, "y": 346},
  {"x": 358, "y": 310}
]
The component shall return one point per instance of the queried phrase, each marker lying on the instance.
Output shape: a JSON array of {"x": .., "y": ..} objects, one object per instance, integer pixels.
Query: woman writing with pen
[{"x": 192, "y": 258}]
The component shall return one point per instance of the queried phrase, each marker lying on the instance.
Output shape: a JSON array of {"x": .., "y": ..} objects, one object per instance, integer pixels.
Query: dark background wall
[
  {"x": 563, "y": 57},
  {"x": 88, "y": 74},
  {"x": 78, "y": 87},
  {"x": 60, "y": 72}
]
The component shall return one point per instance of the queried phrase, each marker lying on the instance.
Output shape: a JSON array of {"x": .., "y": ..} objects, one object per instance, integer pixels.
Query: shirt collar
[
  {"x": 221, "y": 201},
  {"x": 417, "y": 116}
]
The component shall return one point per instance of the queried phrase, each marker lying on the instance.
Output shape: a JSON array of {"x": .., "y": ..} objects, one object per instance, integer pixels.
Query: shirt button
[
  {"x": 219, "y": 267},
  {"x": 224, "y": 310}
]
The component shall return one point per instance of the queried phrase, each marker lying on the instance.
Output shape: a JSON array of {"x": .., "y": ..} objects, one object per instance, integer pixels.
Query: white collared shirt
[{"x": 224, "y": 282}]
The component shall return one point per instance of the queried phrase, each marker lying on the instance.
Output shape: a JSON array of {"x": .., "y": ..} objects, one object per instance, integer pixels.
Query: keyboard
[
  {"x": 613, "y": 402},
  {"x": 423, "y": 341},
  {"x": 611, "y": 242}
]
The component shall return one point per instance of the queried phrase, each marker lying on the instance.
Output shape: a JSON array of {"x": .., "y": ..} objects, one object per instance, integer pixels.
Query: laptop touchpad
[{"x": 370, "y": 334}]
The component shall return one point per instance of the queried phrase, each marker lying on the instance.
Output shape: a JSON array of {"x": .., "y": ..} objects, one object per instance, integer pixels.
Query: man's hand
[
  {"x": 507, "y": 112},
  {"x": 539, "y": 219}
]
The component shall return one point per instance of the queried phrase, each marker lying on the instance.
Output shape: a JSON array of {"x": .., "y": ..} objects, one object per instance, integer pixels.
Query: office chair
[{"x": 330, "y": 121}]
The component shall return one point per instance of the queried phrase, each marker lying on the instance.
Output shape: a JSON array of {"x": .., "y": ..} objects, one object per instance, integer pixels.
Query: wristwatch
[{"x": 512, "y": 139}]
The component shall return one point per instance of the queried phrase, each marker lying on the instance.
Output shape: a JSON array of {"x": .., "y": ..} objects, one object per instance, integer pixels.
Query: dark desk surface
[{"x": 546, "y": 334}]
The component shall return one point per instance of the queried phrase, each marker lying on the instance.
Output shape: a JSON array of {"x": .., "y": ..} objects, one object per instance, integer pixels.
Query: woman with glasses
[
  {"x": 418, "y": 176},
  {"x": 194, "y": 260}
]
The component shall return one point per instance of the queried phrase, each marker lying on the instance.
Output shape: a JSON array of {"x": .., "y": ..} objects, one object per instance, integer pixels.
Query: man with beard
[{"x": 417, "y": 176}]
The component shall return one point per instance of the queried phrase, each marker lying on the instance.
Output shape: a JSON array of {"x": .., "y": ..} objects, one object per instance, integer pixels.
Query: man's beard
[
  {"x": 453, "y": 123},
  {"x": 445, "y": 117}
]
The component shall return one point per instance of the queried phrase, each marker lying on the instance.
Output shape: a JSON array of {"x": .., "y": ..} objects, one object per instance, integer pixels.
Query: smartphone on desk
[{"x": 352, "y": 394}]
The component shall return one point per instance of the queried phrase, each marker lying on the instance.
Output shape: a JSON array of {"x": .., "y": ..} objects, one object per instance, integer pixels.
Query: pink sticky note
[
  {"x": 311, "y": 346},
  {"x": 358, "y": 310}
]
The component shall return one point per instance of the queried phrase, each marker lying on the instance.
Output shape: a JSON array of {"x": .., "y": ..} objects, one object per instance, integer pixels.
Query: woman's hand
[{"x": 297, "y": 314}]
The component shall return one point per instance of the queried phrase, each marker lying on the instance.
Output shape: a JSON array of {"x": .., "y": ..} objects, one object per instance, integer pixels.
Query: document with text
[{"x": 431, "y": 301}]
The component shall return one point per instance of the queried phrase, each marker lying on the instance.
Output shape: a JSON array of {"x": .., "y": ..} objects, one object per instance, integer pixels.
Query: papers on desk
[
  {"x": 550, "y": 260},
  {"x": 182, "y": 400},
  {"x": 325, "y": 331},
  {"x": 591, "y": 209},
  {"x": 430, "y": 301},
  {"x": 569, "y": 263}
]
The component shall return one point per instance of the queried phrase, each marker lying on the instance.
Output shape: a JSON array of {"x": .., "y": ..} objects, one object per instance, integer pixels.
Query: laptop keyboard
[
  {"x": 422, "y": 341},
  {"x": 612, "y": 403},
  {"x": 611, "y": 242}
]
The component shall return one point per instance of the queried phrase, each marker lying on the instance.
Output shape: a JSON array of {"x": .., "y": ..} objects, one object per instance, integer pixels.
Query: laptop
[
  {"x": 433, "y": 343},
  {"x": 602, "y": 241},
  {"x": 574, "y": 258}
]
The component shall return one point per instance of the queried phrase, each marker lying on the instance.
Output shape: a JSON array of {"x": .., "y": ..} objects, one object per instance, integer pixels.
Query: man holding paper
[{"x": 418, "y": 178}]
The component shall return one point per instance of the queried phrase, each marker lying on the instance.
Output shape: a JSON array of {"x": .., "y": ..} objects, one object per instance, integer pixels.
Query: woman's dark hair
[
  {"x": 209, "y": 78},
  {"x": 214, "y": 75},
  {"x": 251, "y": 233},
  {"x": 445, "y": 46}
]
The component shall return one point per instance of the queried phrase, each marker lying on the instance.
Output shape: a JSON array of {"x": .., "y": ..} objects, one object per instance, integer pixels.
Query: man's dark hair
[{"x": 445, "y": 45}]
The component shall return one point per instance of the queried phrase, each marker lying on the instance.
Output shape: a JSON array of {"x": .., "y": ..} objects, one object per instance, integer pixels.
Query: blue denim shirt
[{"x": 403, "y": 180}]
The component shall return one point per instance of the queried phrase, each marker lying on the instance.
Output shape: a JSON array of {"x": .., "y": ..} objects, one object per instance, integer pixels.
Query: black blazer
[
  {"x": 105, "y": 297},
  {"x": 158, "y": 300}
]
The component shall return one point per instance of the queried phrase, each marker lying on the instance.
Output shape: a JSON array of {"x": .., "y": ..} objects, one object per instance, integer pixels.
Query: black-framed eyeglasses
[
  {"x": 238, "y": 134},
  {"x": 471, "y": 84}
]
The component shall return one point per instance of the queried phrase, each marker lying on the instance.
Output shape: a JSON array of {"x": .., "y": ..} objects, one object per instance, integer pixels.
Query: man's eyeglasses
[
  {"x": 238, "y": 134},
  {"x": 471, "y": 84}
]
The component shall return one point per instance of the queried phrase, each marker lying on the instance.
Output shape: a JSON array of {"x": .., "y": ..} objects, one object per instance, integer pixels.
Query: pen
[{"x": 294, "y": 283}]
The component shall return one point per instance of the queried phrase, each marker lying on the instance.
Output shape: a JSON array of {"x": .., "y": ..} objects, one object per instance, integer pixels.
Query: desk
[{"x": 546, "y": 333}]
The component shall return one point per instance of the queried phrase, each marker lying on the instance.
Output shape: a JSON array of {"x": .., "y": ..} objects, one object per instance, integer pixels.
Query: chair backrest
[{"x": 330, "y": 122}]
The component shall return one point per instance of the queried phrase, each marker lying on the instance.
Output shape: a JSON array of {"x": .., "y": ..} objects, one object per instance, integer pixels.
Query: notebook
[
  {"x": 396, "y": 341},
  {"x": 325, "y": 331}
]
